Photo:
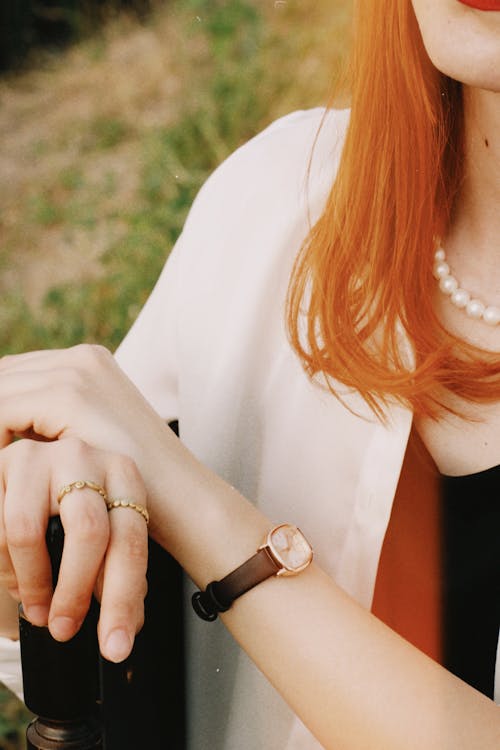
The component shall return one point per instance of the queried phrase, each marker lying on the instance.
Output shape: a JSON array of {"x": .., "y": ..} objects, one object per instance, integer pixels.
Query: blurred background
[{"x": 112, "y": 114}]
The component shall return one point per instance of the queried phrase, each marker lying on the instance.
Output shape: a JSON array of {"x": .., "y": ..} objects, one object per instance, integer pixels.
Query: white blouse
[{"x": 210, "y": 349}]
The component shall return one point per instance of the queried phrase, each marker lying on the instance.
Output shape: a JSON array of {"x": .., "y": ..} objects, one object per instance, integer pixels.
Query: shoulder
[
  {"x": 280, "y": 176},
  {"x": 221, "y": 295},
  {"x": 244, "y": 232},
  {"x": 288, "y": 144},
  {"x": 253, "y": 213}
]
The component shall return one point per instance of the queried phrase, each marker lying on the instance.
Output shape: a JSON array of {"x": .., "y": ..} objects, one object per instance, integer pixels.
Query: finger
[
  {"x": 124, "y": 579},
  {"x": 41, "y": 401},
  {"x": 15, "y": 361},
  {"x": 32, "y": 401},
  {"x": 26, "y": 511},
  {"x": 86, "y": 528},
  {"x": 44, "y": 358},
  {"x": 81, "y": 355},
  {"x": 32, "y": 435},
  {"x": 8, "y": 579}
]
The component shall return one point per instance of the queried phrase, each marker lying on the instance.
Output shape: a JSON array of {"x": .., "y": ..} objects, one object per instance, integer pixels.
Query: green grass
[
  {"x": 239, "y": 67},
  {"x": 108, "y": 132},
  {"x": 14, "y": 717},
  {"x": 222, "y": 109}
]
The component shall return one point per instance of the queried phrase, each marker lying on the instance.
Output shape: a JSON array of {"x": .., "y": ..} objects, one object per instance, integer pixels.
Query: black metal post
[
  {"x": 61, "y": 680},
  {"x": 84, "y": 702}
]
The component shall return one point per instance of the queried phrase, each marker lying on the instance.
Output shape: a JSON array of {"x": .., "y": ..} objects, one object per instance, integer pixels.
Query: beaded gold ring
[
  {"x": 82, "y": 484},
  {"x": 116, "y": 503}
]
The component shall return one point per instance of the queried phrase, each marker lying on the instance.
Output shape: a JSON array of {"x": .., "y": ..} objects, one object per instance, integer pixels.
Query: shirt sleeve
[
  {"x": 149, "y": 352},
  {"x": 10, "y": 666}
]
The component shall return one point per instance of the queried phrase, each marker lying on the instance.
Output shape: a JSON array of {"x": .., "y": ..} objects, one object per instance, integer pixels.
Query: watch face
[{"x": 290, "y": 548}]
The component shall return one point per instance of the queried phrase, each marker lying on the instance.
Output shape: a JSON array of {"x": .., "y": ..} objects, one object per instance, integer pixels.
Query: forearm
[
  {"x": 354, "y": 682},
  {"x": 351, "y": 680}
]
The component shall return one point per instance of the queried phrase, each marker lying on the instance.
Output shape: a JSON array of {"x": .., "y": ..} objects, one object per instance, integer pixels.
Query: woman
[{"x": 419, "y": 163}]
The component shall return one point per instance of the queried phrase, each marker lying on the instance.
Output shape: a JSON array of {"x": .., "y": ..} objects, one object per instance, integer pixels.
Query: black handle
[{"x": 61, "y": 680}]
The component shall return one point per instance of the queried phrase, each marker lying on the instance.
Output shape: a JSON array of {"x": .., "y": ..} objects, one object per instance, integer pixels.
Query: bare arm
[
  {"x": 352, "y": 680},
  {"x": 354, "y": 683}
]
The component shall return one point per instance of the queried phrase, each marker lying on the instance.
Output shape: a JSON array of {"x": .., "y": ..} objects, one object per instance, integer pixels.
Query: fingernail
[
  {"x": 118, "y": 645},
  {"x": 37, "y": 614},
  {"x": 63, "y": 628}
]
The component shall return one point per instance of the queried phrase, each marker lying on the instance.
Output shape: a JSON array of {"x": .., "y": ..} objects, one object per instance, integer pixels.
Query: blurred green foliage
[
  {"x": 222, "y": 108},
  {"x": 13, "y": 718},
  {"x": 31, "y": 24}
]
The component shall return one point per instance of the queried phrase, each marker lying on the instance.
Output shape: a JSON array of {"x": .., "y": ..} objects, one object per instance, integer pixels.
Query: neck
[{"x": 473, "y": 244}]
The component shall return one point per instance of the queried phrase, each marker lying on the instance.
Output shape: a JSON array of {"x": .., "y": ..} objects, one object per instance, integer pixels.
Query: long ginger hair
[{"x": 365, "y": 272}]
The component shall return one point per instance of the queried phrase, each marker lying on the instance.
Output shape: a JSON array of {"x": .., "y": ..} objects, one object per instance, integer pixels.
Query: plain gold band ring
[
  {"x": 82, "y": 484},
  {"x": 111, "y": 504}
]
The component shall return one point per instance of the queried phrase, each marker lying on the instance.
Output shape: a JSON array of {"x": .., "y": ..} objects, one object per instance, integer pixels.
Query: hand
[
  {"x": 103, "y": 552},
  {"x": 81, "y": 392}
]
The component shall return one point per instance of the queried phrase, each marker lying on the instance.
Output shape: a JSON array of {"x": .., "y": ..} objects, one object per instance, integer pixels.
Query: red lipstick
[{"x": 482, "y": 4}]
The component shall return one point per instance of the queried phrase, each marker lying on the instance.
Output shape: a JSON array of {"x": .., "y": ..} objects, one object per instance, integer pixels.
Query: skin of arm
[{"x": 354, "y": 682}]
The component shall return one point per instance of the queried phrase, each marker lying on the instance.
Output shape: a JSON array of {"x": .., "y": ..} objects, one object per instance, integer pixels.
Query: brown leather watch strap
[
  {"x": 219, "y": 595},
  {"x": 253, "y": 571}
]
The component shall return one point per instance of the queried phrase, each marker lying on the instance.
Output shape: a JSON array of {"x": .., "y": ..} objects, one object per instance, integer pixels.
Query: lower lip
[{"x": 482, "y": 4}]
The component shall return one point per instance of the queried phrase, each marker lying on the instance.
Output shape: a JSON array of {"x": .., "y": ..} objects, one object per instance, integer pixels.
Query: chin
[
  {"x": 462, "y": 42},
  {"x": 487, "y": 85},
  {"x": 478, "y": 74},
  {"x": 476, "y": 79}
]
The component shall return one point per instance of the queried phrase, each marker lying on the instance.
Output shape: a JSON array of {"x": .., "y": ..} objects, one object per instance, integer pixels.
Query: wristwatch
[{"x": 285, "y": 552}]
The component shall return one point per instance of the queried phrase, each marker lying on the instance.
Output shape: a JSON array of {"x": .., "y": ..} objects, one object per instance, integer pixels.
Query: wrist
[
  {"x": 285, "y": 552},
  {"x": 206, "y": 524}
]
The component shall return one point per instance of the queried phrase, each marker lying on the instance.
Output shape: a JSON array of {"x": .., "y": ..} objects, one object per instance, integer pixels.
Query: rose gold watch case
[{"x": 290, "y": 549}]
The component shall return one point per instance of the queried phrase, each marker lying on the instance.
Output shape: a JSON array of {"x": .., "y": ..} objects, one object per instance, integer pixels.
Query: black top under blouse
[{"x": 471, "y": 597}]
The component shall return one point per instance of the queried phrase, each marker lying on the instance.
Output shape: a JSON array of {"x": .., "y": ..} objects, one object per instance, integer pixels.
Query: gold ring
[
  {"x": 128, "y": 504},
  {"x": 82, "y": 484}
]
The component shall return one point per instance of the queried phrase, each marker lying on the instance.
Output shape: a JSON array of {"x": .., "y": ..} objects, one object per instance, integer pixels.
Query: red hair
[{"x": 366, "y": 267}]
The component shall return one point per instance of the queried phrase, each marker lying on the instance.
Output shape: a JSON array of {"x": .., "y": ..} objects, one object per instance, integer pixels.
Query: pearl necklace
[{"x": 448, "y": 284}]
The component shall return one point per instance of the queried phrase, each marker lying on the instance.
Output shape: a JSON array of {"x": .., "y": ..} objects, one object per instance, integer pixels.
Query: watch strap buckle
[{"x": 206, "y": 605}]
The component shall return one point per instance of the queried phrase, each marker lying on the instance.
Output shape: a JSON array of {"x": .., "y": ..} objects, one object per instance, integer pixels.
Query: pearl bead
[
  {"x": 475, "y": 309},
  {"x": 441, "y": 270},
  {"x": 492, "y": 315},
  {"x": 460, "y": 298},
  {"x": 448, "y": 284}
]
